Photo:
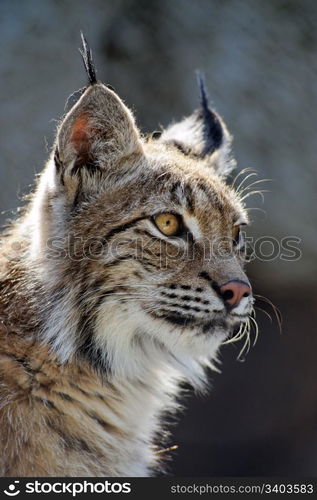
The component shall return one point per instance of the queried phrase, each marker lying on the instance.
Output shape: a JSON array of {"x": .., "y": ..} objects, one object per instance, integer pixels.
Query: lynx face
[{"x": 149, "y": 260}]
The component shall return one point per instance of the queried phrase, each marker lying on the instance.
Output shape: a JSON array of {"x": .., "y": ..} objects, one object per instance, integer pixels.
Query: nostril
[
  {"x": 246, "y": 294},
  {"x": 227, "y": 295}
]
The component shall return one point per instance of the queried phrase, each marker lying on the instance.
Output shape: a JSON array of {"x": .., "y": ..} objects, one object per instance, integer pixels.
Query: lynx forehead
[{"x": 128, "y": 279}]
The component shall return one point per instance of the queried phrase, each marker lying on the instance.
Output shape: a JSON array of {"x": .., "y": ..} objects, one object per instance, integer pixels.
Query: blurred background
[{"x": 261, "y": 67}]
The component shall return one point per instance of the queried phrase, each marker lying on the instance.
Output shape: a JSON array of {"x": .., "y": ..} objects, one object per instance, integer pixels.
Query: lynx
[{"x": 120, "y": 281}]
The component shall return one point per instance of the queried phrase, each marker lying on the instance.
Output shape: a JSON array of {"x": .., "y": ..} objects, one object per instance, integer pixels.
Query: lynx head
[{"x": 141, "y": 238}]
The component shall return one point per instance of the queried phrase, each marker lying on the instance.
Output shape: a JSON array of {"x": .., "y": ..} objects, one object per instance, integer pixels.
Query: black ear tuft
[
  {"x": 212, "y": 128},
  {"x": 202, "y": 135},
  {"x": 202, "y": 88},
  {"x": 88, "y": 62}
]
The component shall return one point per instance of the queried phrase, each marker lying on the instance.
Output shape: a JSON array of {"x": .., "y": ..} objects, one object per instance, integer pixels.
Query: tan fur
[{"x": 88, "y": 361}]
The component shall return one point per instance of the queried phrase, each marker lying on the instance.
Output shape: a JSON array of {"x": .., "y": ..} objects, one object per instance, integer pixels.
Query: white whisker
[{"x": 253, "y": 174}]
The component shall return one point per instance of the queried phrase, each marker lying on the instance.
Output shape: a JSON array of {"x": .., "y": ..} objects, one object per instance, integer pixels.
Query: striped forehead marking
[{"x": 188, "y": 194}]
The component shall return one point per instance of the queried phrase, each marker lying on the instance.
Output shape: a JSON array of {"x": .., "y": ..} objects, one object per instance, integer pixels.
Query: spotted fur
[{"x": 101, "y": 315}]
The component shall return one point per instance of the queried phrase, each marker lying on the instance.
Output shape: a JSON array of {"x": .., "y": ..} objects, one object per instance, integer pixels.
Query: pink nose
[{"x": 233, "y": 291}]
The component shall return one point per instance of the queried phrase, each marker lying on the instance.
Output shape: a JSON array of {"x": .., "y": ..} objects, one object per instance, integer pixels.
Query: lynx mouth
[{"x": 220, "y": 321}]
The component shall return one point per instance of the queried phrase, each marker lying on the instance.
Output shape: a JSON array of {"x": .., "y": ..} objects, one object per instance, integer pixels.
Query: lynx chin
[{"x": 121, "y": 280}]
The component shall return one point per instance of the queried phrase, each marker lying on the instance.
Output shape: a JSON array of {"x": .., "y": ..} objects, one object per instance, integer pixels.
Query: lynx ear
[
  {"x": 99, "y": 130},
  {"x": 203, "y": 135}
]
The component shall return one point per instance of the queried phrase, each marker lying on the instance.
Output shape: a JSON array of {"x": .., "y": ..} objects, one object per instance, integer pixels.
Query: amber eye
[
  {"x": 236, "y": 235},
  {"x": 168, "y": 224}
]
